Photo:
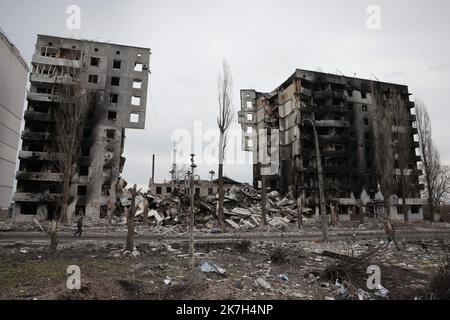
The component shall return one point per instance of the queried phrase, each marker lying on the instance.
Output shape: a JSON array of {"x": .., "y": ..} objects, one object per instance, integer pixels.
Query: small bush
[
  {"x": 279, "y": 255},
  {"x": 439, "y": 288},
  {"x": 243, "y": 246}
]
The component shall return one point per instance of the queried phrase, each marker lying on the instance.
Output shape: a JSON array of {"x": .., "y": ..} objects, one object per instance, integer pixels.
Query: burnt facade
[
  {"x": 344, "y": 112},
  {"x": 119, "y": 76}
]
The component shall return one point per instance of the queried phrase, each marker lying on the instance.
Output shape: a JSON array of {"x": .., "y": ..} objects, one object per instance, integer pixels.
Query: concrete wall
[{"x": 13, "y": 80}]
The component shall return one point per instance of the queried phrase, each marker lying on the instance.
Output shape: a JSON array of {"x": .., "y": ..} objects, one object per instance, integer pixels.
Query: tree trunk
[
  {"x": 53, "y": 236},
  {"x": 362, "y": 211},
  {"x": 145, "y": 213},
  {"x": 130, "y": 229},
  {"x": 387, "y": 209},
  {"x": 264, "y": 200},
  {"x": 404, "y": 197},
  {"x": 300, "y": 206},
  {"x": 220, "y": 214}
]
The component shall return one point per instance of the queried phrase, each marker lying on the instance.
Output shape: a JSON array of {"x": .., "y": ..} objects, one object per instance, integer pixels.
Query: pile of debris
[{"x": 242, "y": 209}]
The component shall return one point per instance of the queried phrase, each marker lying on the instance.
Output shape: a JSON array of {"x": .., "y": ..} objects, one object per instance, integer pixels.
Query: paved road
[{"x": 30, "y": 237}]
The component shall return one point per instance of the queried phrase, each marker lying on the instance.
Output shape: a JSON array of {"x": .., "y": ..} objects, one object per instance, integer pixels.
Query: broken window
[
  {"x": 82, "y": 190},
  {"x": 93, "y": 78},
  {"x": 364, "y": 108},
  {"x": 158, "y": 190},
  {"x": 135, "y": 101},
  {"x": 107, "y": 171},
  {"x": 137, "y": 84},
  {"x": 117, "y": 52},
  {"x": 115, "y": 81},
  {"x": 117, "y": 64},
  {"x": 95, "y": 62},
  {"x": 113, "y": 98},
  {"x": 105, "y": 189},
  {"x": 85, "y": 151},
  {"x": 96, "y": 49},
  {"x": 364, "y": 95},
  {"x": 87, "y": 133},
  {"x": 169, "y": 189},
  {"x": 84, "y": 171},
  {"x": 138, "y": 67},
  {"x": 210, "y": 191},
  {"x": 110, "y": 133},
  {"x": 366, "y": 121},
  {"x": 103, "y": 212},
  {"x": 112, "y": 116},
  {"x": 197, "y": 191},
  {"x": 134, "y": 118},
  {"x": 28, "y": 209},
  {"x": 80, "y": 211}
]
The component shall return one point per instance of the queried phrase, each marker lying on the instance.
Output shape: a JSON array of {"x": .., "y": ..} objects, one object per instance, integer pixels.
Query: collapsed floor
[{"x": 242, "y": 270}]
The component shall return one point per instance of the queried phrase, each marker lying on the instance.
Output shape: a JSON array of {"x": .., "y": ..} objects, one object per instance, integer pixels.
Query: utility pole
[
  {"x": 153, "y": 169},
  {"x": 320, "y": 177},
  {"x": 191, "y": 215}
]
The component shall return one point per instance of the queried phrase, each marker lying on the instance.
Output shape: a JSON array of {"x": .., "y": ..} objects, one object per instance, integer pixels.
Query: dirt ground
[{"x": 253, "y": 270}]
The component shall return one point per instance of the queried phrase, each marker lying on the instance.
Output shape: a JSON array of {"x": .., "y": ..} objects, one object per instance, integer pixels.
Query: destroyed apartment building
[
  {"x": 119, "y": 76},
  {"x": 345, "y": 112}
]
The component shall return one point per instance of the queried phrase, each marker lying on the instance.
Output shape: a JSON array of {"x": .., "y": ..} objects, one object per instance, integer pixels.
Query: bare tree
[
  {"x": 224, "y": 120},
  {"x": 72, "y": 104},
  {"x": 429, "y": 157},
  {"x": 442, "y": 186},
  {"x": 384, "y": 152}
]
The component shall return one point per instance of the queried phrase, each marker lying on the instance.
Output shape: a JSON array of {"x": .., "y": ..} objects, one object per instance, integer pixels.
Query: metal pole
[
  {"x": 153, "y": 169},
  {"x": 321, "y": 191},
  {"x": 191, "y": 215}
]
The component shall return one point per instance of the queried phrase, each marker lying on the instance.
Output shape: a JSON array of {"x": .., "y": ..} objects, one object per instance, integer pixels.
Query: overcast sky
[{"x": 263, "y": 42}]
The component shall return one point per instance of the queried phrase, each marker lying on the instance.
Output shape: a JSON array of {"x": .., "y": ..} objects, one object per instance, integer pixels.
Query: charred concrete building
[
  {"x": 119, "y": 76},
  {"x": 13, "y": 82},
  {"x": 344, "y": 111}
]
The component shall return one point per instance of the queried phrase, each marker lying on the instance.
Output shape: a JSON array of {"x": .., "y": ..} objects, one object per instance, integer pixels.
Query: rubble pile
[{"x": 242, "y": 209}]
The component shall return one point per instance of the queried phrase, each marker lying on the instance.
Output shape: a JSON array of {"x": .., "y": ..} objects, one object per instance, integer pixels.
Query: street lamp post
[
  {"x": 320, "y": 177},
  {"x": 191, "y": 214}
]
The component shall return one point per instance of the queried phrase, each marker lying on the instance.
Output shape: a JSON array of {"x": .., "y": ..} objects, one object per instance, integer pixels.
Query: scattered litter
[
  {"x": 210, "y": 267},
  {"x": 263, "y": 283}
]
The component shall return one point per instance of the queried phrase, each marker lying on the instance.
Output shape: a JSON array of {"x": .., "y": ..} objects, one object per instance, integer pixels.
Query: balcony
[
  {"x": 44, "y": 78},
  {"x": 37, "y": 136},
  {"x": 332, "y": 123},
  {"x": 39, "y": 156},
  {"x": 330, "y": 109},
  {"x": 43, "y": 97},
  {"x": 326, "y": 94},
  {"x": 335, "y": 154},
  {"x": 38, "y": 116},
  {"x": 39, "y": 59},
  {"x": 39, "y": 176},
  {"x": 306, "y": 93},
  {"x": 412, "y": 118},
  {"x": 35, "y": 197},
  {"x": 333, "y": 138}
]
